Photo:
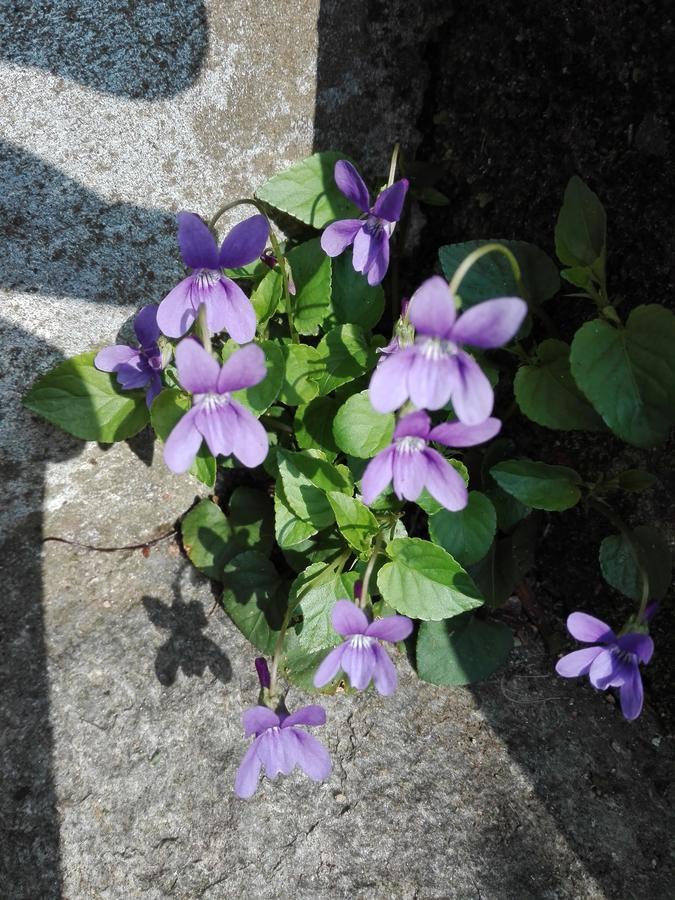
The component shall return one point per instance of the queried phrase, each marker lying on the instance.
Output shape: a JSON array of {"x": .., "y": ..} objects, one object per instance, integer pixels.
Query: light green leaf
[
  {"x": 361, "y": 431},
  {"x": 581, "y": 229},
  {"x": 266, "y": 297},
  {"x": 87, "y": 403},
  {"x": 628, "y": 373},
  {"x": 425, "y": 582},
  {"x": 168, "y": 409},
  {"x": 466, "y": 534},
  {"x": 547, "y": 393},
  {"x": 311, "y": 270},
  {"x": 344, "y": 355},
  {"x": 492, "y": 276},
  {"x": 254, "y": 597},
  {"x": 208, "y": 540},
  {"x": 307, "y": 477},
  {"x": 289, "y": 529},
  {"x": 462, "y": 650},
  {"x": 307, "y": 191},
  {"x": 620, "y": 569},
  {"x": 355, "y": 521},
  {"x": 303, "y": 365},
  {"x": 537, "y": 484},
  {"x": 314, "y": 425},
  {"x": 353, "y": 301}
]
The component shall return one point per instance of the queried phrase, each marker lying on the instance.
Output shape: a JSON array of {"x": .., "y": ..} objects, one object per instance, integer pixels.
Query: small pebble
[{"x": 656, "y": 742}]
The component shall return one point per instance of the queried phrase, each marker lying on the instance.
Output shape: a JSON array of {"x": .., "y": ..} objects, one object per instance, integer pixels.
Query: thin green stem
[
  {"x": 393, "y": 164},
  {"x": 285, "y": 278},
  {"x": 276, "y": 424},
  {"x": 377, "y": 549},
  {"x": 203, "y": 328},
  {"x": 473, "y": 258},
  {"x": 618, "y": 522},
  {"x": 228, "y": 206}
]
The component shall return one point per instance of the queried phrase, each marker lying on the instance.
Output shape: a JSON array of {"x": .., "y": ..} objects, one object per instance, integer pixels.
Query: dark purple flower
[
  {"x": 280, "y": 745},
  {"x": 227, "y": 306},
  {"x": 263, "y": 671},
  {"x": 436, "y": 369},
  {"x": 370, "y": 235},
  {"x": 615, "y": 663},
  {"x": 412, "y": 465},
  {"x": 225, "y": 425},
  {"x": 360, "y": 655},
  {"x": 137, "y": 367}
]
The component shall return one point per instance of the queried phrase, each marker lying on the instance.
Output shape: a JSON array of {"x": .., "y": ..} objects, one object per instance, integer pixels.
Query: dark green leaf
[
  {"x": 466, "y": 534},
  {"x": 537, "y": 484},
  {"x": 628, "y": 373},
  {"x": 313, "y": 425},
  {"x": 87, "y": 403},
  {"x": 462, "y": 650},
  {"x": 311, "y": 270},
  {"x": 344, "y": 355},
  {"x": 303, "y": 365},
  {"x": 425, "y": 582},
  {"x": 636, "y": 480},
  {"x": 361, "y": 431},
  {"x": 254, "y": 597},
  {"x": 581, "y": 229},
  {"x": 497, "y": 573},
  {"x": 620, "y": 569},
  {"x": 307, "y": 191},
  {"x": 354, "y": 301},
  {"x": 251, "y": 517}
]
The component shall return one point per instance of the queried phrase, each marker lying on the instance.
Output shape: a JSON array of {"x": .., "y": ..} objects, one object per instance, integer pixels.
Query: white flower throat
[
  {"x": 436, "y": 348},
  {"x": 410, "y": 444}
]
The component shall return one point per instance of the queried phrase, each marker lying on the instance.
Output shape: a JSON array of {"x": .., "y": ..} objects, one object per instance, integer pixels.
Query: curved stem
[
  {"x": 203, "y": 329},
  {"x": 377, "y": 549},
  {"x": 618, "y": 522},
  {"x": 393, "y": 164},
  {"x": 228, "y": 206},
  {"x": 473, "y": 258}
]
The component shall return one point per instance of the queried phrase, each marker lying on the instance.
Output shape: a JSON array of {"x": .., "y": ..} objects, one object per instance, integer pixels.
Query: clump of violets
[
  {"x": 435, "y": 369},
  {"x": 412, "y": 465},
  {"x": 612, "y": 661},
  {"x": 225, "y": 425},
  {"x": 226, "y": 306},
  {"x": 137, "y": 367},
  {"x": 370, "y": 234},
  {"x": 361, "y": 656},
  {"x": 279, "y": 745}
]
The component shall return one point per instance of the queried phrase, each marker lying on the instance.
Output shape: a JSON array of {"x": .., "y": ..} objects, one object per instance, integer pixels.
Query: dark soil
[{"x": 522, "y": 96}]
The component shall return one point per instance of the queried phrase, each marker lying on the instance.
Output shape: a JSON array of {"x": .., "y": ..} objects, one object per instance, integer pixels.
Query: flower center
[
  {"x": 211, "y": 401},
  {"x": 373, "y": 226},
  {"x": 436, "y": 348},
  {"x": 361, "y": 641},
  {"x": 410, "y": 444},
  {"x": 206, "y": 278},
  {"x": 624, "y": 656}
]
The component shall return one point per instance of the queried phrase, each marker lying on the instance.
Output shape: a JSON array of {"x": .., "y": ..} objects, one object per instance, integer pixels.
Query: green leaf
[
  {"x": 636, "y": 480},
  {"x": 311, "y": 270},
  {"x": 266, "y": 297},
  {"x": 462, "y": 650},
  {"x": 289, "y": 529},
  {"x": 344, "y": 355},
  {"x": 261, "y": 396},
  {"x": 492, "y": 276},
  {"x": 361, "y": 431},
  {"x": 254, "y": 597},
  {"x": 509, "y": 510},
  {"x": 537, "y": 484},
  {"x": 307, "y": 192},
  {"x": 251, "y": 518},
  {"x": 207, "y": 539},
  {"x": 307, "y": 477},
  {"x": 466, "y": 534},
  {"x": 322, "y": 547},
  {"x": 547, "y": 393},
  {"x": 619, "y": 567},
  {"x": 315, "y": 593},
  {"x": 87, "y": 403},
  {"x": 628, "y": 373},
  {"x": 303, "y": 365},
  {"x": 425, "y": 582},
  {"x": 581, "y": 229},
  {"x": 168, "y": 408},
  {"x": 313, "y": 425},
  {"x": 353, "y": 301},
  {"x": 497, "y": 573},
  {"x": 355, "y": 521}
]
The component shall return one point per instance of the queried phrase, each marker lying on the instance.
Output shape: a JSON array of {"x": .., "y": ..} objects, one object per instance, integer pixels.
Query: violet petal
[
  {"x": 197, "y": 244},
  {"x": 352, "y": 185},
  {"x": 578, "y": 662},
  {"x": 389, "y": 204},
  {"x": 244, "y": 243},
  {"x": 432, "y": 309},
  {"x": 338, "y": 236},
  {"x": 384, "y": 673},
  {"x": 197, "y": 370},
  {"x": 444, "y": 482},
  {"x": 348, "y": 619},
  {"x": 378, "y": 475}
]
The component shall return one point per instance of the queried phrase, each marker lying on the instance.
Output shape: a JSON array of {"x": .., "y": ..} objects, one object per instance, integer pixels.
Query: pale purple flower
[
  {"x": 137, "y": 367},
  {"x": 435, "y": 369},
  {"x": 225, "y": 425},
  {"x": 227, "y": 306},
  {"x": 361, "y": 655},
  {"x": 413, "y": 465},
  {"x": 280, "y": 745},
  {"x": 369, "y": 234},
  {"x": 615, "y": 663}
]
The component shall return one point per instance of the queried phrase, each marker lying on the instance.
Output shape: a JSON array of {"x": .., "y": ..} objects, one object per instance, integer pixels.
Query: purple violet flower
[
  {"x": 225, "y": 425},
  {"x": 412, "y": 465},
  {"x": 436, "y": 369},
  {"x": 227, "y": 306},
  {"x": 360, "y": 655},
  {"x": 370, "y": 235},
  {"x": 280, "y": 745},
  {"x": 137, "y": 367},
  {"x": 615, "y": 663}
]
